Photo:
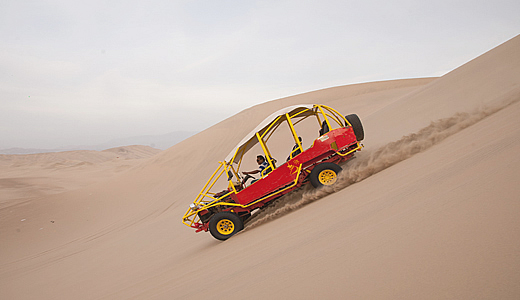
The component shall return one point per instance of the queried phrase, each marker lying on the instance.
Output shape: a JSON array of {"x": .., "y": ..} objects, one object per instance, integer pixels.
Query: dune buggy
[{"x": 224, "y": 212}]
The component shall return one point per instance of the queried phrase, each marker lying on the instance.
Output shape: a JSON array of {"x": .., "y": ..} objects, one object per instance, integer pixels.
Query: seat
[
  {"x": 324, "y": 128},
  {"x": 295, "y": 150},
  {"x": 268, "y": 169}
]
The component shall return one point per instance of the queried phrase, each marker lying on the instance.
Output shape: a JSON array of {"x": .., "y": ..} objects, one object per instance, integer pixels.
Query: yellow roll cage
[{"x": 261, "y": 134}]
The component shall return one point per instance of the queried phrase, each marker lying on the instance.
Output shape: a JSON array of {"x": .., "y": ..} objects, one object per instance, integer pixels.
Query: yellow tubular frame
[
  {"x": 326, "y": 112},
  {"x": 191, "y": 213},
  {"x": 324, "y": 116},
  {"x": 266, "y": 151},
  {"x": 295, "y": 135}
]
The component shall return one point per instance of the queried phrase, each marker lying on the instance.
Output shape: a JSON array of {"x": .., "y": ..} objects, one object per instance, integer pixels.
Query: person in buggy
[{"x": 262, "y": 165}]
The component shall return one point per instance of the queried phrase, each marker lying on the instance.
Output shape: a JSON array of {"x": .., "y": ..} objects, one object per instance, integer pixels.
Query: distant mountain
[
  {"x": 31, "y": 150},
  {"x": 161, "y": 142}
]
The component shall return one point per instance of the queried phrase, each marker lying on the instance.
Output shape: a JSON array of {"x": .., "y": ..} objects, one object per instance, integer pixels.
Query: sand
[
  {"x": 35, "y": 175},
  {"x": 428, "y": 210}
]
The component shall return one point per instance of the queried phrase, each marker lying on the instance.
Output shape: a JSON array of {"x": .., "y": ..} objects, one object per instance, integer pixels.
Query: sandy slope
[{"x": 431, "y": 215}]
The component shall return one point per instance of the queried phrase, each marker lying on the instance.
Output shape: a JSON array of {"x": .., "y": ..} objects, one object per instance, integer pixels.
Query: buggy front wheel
[{"x": 225, "y": 224}]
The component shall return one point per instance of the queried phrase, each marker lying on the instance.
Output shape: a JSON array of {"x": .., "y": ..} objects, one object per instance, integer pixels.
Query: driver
[{"x": 262, "y": 164}]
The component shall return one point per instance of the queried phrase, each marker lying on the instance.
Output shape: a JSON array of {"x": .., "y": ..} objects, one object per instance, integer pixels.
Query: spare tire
[{"x": 354, "y": 120}]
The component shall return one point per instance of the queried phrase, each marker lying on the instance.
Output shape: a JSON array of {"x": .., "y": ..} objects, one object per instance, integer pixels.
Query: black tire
[
  {"x": 354, "y": 120},
  {"x": 224, "y": 225},
  {"x": 324, "y": 174}
]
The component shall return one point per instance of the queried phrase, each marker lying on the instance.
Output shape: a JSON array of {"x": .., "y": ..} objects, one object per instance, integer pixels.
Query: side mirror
[{"x": 230, "y": 175}]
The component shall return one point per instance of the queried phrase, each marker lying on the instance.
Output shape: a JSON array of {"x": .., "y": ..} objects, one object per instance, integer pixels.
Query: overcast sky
[{"x": 84, "y": 72}]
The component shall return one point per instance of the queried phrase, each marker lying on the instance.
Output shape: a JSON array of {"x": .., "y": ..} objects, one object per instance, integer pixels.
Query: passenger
[
  {"x": 294, "y": 153},
  {"x": 262, "y": 164}
]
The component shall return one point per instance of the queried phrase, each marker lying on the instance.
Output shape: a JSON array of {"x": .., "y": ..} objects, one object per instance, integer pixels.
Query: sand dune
[
  {"x": 428, "y": 210},
  {"x": 36, "y": 175}
]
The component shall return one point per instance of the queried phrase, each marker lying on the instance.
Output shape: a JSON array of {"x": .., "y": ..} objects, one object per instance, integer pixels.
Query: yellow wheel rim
[
  {"x": 327, "y": 177},
  {"x": 225, "y": 226}
]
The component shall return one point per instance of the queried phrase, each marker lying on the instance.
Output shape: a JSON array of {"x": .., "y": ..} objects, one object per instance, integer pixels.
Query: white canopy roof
[{"x": 250, "y": 140}]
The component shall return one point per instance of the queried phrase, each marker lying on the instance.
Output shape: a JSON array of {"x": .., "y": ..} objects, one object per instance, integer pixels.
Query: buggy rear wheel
[
  {"x": 225, "y": 224},
  {"x": 324, "y": 174}
]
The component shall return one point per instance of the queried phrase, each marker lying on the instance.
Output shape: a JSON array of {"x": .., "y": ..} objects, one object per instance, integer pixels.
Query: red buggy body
[{"x": 225, "y": 213}]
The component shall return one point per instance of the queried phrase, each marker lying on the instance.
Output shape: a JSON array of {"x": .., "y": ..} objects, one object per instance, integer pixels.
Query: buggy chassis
[{"x": 338, "y": 141}]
